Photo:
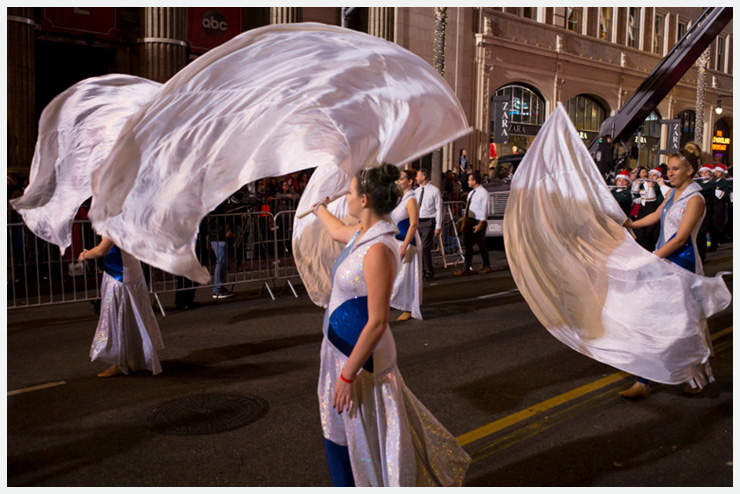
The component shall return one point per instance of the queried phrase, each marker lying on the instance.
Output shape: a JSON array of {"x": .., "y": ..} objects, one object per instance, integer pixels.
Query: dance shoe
[
  {"x": 638, "y": 390},
  {"x": 691, "y": 391},
  {"x": 111, "y": 371},
  {"x": 405, "y": 316},
  {"x": 486, "y": 269},
  {"x": 463, "y": 272}
]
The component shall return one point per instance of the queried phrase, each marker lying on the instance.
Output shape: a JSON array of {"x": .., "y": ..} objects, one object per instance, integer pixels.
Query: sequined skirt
[
  {"x": 127, "y": 334},
  {"x": 393, "y": 440},
  {"x": 407, "y": 288}
]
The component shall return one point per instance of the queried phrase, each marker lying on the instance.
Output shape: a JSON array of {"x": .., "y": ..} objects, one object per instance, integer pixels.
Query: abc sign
[{"x": 214, "y": 24}]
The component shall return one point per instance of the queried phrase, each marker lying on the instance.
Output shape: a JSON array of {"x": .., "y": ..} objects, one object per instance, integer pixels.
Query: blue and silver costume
[
  {"x": 392, "y": 439},
  {"x": 407, "y": 287},
  {"x": 127, "y": 334}
]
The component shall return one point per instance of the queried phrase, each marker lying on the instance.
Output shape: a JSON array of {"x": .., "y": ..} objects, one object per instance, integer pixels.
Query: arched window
[
  {"x": 527, "y": 106},
  {"x": 586, "y": 113}
]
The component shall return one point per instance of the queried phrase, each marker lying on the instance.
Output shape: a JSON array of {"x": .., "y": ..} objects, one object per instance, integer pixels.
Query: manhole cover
[{"x": 206, "y": 414}]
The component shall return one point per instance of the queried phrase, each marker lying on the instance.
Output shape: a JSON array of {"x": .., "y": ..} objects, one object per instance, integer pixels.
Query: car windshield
[{"x": 503, "y": 171}]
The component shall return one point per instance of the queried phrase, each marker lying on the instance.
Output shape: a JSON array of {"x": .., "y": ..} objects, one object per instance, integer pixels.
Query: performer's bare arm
[
  {"x": 336, "y": 228},
  {"x": 648, "y": 220},
  {"x": 413, "y": 208},
  {"x": 98, "y": 251},
  {"x": 692, "y": 215},
  {"x": 379, "y": 277}
]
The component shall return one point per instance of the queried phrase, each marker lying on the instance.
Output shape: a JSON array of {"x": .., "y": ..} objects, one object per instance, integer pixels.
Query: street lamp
[{"x": 718, "y": 109}]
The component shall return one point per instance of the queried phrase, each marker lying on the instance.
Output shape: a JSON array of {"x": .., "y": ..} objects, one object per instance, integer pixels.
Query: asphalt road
[{"x": 530, "y": 411}]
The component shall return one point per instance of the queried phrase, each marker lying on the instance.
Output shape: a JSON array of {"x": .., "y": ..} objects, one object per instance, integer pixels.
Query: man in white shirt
[
  {"x": 430, "y": 219},
  {"x": 474, "y": 225}
]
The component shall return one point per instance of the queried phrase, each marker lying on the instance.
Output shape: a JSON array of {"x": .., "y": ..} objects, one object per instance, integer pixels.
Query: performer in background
[
  {"x": 127, "y": 337},
  {"x": 680, "y": 218},
  {"x": 622, "y": 192},
  {"x": 407, "y": 287},
  {"x": 648, "y": 195},
  {"x": 376, "y": 431}
]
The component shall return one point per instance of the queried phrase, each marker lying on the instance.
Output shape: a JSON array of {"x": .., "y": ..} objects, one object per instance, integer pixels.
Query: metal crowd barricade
[
  {"x": 38, "y": 273},
  {"x": 249, "y": 241},
  {"x": 449, "y": 248}
]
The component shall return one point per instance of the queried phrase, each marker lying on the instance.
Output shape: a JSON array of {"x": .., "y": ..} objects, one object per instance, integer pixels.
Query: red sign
[
  {"x": 100, "y": 21},
  {"x": 209, "y": 27}
]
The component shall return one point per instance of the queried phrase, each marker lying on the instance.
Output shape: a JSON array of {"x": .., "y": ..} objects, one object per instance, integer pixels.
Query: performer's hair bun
[
  {"x": 379, "y": 184},
  {"x": 691, "y": 154}
]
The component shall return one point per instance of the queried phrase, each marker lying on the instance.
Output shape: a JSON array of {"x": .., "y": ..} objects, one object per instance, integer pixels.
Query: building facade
[{"x": 589, "y": 59}]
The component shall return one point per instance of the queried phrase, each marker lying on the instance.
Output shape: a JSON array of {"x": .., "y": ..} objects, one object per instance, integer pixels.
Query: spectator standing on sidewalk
[
  {"x": 430, "y": 219},
  {"x": 218, "y": 232},
  {"x": 474, "y": 224}
]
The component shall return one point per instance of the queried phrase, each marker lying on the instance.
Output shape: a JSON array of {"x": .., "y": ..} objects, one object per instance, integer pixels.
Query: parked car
[{"x": 498, "y": 189}]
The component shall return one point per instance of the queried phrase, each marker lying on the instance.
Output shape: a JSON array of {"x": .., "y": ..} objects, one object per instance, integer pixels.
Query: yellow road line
[
  {"x": 36, "y": 388},
  {"x": 505, "y": 422}
]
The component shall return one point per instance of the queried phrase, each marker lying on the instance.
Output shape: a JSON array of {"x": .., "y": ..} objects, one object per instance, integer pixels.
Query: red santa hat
[
  {"x": 624, "y": 174},
  {"x": 721, "y": 167},
  {"x": 657, "y": 171},
  {"x": 707, "y": 167}
]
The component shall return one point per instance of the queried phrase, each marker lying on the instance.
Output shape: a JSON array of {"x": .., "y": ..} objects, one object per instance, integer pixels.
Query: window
[
  {"x": 682, "y": 28},
  {"x": 633, "y": 27},
  {"x": 658, "y": 35},
  {"x": 527, "y": 107},
  {"x": 605, "y": 23},
  {"x": 586, "y": 113},
  {"x": 720, "y": 65},
  {"x": 574, "y": 19}
]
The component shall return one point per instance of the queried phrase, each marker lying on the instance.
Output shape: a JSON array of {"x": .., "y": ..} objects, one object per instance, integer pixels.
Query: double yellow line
[{"x": 505, "y": 422}]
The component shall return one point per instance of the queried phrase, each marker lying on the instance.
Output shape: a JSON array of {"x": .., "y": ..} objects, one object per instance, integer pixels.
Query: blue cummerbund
[
  {"x": 403, "y": 229},
  {"x": 345, "y": 325},
  {"x": 684, "y": 256},
  {"x": 113, "y": 263}
]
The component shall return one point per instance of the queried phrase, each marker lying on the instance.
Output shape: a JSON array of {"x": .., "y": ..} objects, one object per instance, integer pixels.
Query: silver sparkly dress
[
  {"x": 128, "y": 334},
  {"x": 393, "y": 440},
  {"x": 407, "y": 287}
]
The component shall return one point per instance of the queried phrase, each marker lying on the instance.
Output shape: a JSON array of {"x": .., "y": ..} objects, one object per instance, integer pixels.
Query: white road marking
[{"x": 36, "y": 388}]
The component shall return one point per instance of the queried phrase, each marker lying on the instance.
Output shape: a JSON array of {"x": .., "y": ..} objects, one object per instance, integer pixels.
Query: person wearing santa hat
[
  {"x": 648, "y": 194},
  {"x": 722, "y": 192},
  {"x": 706, "y": 181},
  {"x": 622, "y": 192}
]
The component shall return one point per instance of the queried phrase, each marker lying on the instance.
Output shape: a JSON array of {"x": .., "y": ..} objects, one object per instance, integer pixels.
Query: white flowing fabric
[
  {"x": 271, "y": 101},
  {"x": 585, "y": 278},
  {"x": 76, "y": 132}
]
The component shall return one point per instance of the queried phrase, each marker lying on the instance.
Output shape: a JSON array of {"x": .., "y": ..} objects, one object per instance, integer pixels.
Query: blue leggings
[
  {"x": 643, "y": 380},
  {"x": 340, "y": 468}
]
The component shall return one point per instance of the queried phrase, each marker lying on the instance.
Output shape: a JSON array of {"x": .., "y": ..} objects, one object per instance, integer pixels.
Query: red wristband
[{"x": 348, "y": 381}]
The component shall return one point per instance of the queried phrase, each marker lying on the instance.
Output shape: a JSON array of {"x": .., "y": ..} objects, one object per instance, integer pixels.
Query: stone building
[{"x": 590, "y": 59}]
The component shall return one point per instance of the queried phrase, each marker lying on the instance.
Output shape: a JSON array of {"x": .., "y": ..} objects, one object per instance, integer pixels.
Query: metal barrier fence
[{"x": 258, "y": 249}]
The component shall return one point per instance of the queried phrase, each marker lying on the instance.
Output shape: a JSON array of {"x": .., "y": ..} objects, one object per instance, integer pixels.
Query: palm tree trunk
[
  {"x": 440, "y": 24},
  {"x": 701, "y": 84}
]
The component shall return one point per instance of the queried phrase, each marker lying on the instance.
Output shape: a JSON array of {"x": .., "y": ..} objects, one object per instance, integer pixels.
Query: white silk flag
[
  {"x": 587, "y": 280},
  {"x": 77, "y": 130},
  {"x": 271, "y": 101}
]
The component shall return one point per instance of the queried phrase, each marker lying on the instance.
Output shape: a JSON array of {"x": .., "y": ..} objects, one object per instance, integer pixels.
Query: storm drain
[{"x": 206, "y": 414}]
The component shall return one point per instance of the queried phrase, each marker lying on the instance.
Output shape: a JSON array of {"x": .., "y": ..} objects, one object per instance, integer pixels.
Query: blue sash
[{"x": 343, "y": 326}]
